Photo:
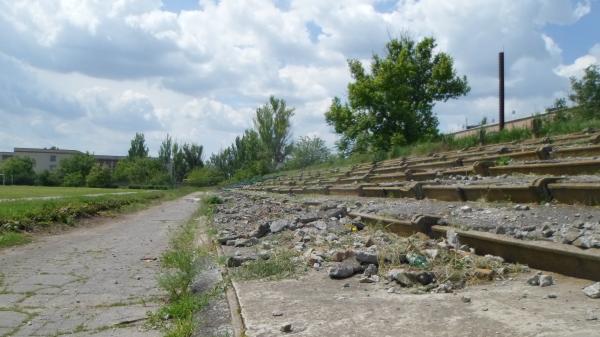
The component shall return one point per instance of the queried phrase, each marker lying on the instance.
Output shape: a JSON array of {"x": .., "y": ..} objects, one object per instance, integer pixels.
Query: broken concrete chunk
[
  {"x": 341, "y": 270},
  {"x": 593, "y": 290},
  {"x": 279, "y": 225},
  {"x": 367, "y": 257},
  {"x": 261, "y": 230},
  {"x": 546, "y": 280}
]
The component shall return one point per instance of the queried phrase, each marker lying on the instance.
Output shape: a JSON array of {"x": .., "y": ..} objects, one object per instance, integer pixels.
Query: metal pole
[{"x": 501, "y": 90}]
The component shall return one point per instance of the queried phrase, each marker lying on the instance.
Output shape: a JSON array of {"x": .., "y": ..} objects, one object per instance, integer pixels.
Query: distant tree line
[{"x": 265, "y": 148}]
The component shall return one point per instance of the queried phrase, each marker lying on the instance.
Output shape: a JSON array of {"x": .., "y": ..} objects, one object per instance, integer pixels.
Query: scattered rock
[
  {"x": 342, "y": 270},
  {"x": 466, "y": 209},
  {"x": 287, "y": 328},
  {"x": 370, "y": 270},
  {"x": 261, "y": 230},
  {"x": 367, "y": 257},
  {"x": 277, "y": 313},
  {"x": 279, "y": 225},
  {"x": 546, "y": 280},
  {"x": 465, "y": 299},
  {"x": 521, "y": 208},
  {"x": 484, "y": 274},
  {"x": 593, "y": 290},
  {"x": 591, "y": 315}
]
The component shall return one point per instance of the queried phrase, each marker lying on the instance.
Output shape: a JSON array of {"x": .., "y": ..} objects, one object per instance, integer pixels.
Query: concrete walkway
[{"x": 95, "y": 281}]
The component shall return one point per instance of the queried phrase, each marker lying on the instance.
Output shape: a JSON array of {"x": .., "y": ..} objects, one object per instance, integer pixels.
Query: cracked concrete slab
[
  {"x": 318, "y": 306},
  {"x": 91, "y": 281}
]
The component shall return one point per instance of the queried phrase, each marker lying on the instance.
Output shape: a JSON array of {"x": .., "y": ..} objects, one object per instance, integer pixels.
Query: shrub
[
  {"x": 47, "y": 178},
  {"x": 74, "y": 179},
  {"x": 19, "y": 170},
  {"x": 205, "y": 176},
  {"x": 99, "y": 177}
]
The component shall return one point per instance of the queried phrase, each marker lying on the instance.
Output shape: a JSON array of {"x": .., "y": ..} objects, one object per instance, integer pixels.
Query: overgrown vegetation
[
  {"x": 8, "y": 239},
  {"x": 279, "y": 265},
  {"x": 181, "y": 263}
]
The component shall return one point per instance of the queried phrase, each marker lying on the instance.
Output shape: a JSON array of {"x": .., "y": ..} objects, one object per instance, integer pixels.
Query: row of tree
[{"x": 262, "y": 149}]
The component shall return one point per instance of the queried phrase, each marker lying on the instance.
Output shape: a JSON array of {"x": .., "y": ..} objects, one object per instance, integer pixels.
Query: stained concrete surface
[
  {"x": 94, "y": 281},
  {"x": 318, "y": 306}
]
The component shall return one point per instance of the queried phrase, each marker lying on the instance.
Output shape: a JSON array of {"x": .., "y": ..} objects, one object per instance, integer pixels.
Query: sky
[{"x": 89, "y": 74}]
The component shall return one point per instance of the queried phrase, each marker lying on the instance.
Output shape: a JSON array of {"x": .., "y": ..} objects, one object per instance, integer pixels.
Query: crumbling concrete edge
[{"x": 232, "y": 295}]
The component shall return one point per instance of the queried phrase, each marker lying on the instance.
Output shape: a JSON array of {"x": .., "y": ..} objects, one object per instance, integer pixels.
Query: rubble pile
[{"x": 323, "y": 237}]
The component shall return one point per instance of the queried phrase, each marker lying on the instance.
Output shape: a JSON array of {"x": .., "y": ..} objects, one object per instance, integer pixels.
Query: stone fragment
[
  {"x": 484, "y": 273},
  {"x": 287, "y": 328},
  {"x": 591, "y": 315},
  {"x": 593, "y": 290},
  {"x": 340, "y": 255},
  {"x": 521, "y": 208},
  {"x": 452, "y": 239},
  {"x": 534, "y": 280},
  {"x": 279, "y": 225},
  {"x": 341, "y": 271},
  {"x": 466, "y": 209},
  {"x": 465, "y": 299},
  {"x": 571, "y": 235},
  {"x": 370, "y": 270},
  {"x": 261, "y": 230},
  {"x": 584, "y": 242},
  {"x": 226, "y": 237},
  {"x": 546, "y": 280},
  {"x": 425, "y": 278},
  {"x": 367, "y": 257}
]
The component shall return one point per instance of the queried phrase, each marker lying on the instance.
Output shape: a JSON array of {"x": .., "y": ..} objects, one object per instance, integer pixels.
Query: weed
[
  {"x": 8, "y": 239},
  {"x": 503, "y": 161},
  {"x": 280, "y": 265}
]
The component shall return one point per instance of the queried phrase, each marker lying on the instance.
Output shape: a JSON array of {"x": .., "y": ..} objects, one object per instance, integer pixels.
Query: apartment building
[{"x": 49, "y": 159}]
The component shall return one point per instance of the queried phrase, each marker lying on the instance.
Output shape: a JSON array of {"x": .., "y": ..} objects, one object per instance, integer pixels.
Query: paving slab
[
  {"x": 87, "y": 281},
  {"x": 318, "y": 306}
]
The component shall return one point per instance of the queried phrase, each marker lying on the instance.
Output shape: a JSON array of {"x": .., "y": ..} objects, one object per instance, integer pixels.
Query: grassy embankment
[{"x": 26, "y": 209}]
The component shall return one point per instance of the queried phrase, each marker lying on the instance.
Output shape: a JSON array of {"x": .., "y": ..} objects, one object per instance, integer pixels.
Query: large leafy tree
[
  {"x": 138, "y": 147},
  {"x": 74, "y": 170},
  {"x": 272, "y": 122},
  {"x": 392, "y": 104},
  {"x": 307, "y": 151},
  {"x": 18, "y": 170},
  {"x": 192, "y": 154},
  {"x": 586, "y": 91}
]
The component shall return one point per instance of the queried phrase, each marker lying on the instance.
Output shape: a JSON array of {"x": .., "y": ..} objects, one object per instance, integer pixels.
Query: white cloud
[
  {"x": 128, "y": 65},
  {"x": 576, "y": 68}
]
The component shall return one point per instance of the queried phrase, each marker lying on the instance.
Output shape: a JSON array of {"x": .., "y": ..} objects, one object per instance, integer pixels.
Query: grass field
[
  {"x": 18, "y": 192},
  {"x": 23, "y": 209}
]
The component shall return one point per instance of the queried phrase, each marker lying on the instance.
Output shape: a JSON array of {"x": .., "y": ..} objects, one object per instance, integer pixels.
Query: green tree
[
  {"x": 74, "y": 170},
  {"x": 272, "y": 122},
  {"x": 99, "y": 177},
  {"x": 19, "y": 170},
  {"x": 179, "y": 165},
  {"x": 586, "y": 91},
  {"x": 205, "y": 176},
  {"x": 47, "y": 178},
  {"x": 393, "y": 103},
  {"x": 138, "y": 147},
  {"x": 308, "y": 151},
  {"x": 141, "y": 171},
  {"x": 192, "y": 154},
  {"x": 165, "y": 153}
]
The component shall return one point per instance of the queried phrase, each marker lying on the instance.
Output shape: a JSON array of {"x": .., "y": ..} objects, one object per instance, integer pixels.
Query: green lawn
[
  {"x": 17, "y": 192},
  {"x": 19, "y": 215}
]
